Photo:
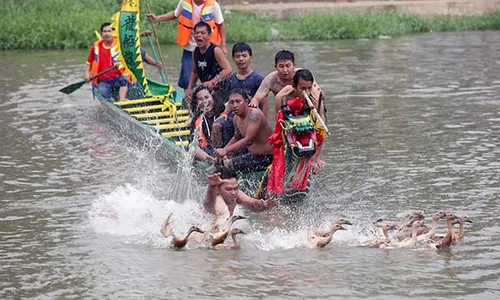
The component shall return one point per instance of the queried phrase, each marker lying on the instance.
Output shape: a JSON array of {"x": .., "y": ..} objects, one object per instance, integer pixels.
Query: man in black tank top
[{"x": 210, "y": 64}]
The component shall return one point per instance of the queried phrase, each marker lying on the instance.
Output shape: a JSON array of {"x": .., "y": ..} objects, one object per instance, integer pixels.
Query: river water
[{"x": 415, "y": 125}]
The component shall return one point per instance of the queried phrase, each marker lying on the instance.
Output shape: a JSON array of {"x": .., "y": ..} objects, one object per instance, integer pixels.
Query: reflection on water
[{"x": 415, "y": 126}]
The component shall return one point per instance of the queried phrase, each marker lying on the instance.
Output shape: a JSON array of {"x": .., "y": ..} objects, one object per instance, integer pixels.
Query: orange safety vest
[
  {"x": 95, "y": 63},
  {"x": 186, "y": 22},
  {"x": 202, "y": 138}
]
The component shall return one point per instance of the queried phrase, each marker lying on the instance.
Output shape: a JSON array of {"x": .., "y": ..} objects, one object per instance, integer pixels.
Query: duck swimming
[
  {"x": 446, "y": 241},
  {"x": 177, "y": 242},
  {"x": 429, "y": 232},
  {"x": 412, "y": 241},
  {"x": 317, "y": 241},
  {"x": 462, "y": 220},
  {"x": 379, "y": 242},
  {"x": 235, "y": 245},
  {"x": 220, "y": 237},
  {"x": 326, "y": 231}
]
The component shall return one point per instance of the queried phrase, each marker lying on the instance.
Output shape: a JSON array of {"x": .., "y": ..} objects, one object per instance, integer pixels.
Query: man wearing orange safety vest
[
  {"x": 189, "y": 13},
  {"x": 100, "y": 58}
]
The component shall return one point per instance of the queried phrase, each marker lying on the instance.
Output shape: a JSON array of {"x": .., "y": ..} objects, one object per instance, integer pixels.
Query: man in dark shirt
[{"x": 210, "y": 65}]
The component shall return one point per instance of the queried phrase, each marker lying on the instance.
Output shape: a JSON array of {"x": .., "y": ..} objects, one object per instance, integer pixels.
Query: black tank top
[{"x": 206, "y": 64}]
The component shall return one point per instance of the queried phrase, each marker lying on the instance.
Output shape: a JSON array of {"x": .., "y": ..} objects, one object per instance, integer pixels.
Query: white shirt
[{"x": 219, "y": 19}]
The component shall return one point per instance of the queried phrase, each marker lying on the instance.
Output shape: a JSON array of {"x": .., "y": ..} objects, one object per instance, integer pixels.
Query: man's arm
[
  {"x": 286, "y": 91},
  {"x": 262, "y": 92},
  {"x": 253, "y": 126},
  {"x": 223, "y": 64},
  {"x": 88, "y": 66},
  {"x": 87, "y": 72},
  {"x": 222, "y": 31},
  {"x": 192, "y": 81},
  {"x": 165, "y": 17},
  {"x": 255, "y": 205},
  {"x": 213, "y": 189}
]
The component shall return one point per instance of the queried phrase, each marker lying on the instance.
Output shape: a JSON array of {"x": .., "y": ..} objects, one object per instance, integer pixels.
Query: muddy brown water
[{"x": 415, "y": 126}]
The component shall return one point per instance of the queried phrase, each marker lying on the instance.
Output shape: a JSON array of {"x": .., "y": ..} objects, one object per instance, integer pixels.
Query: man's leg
[
  {"x": 122, "y": 83},
  {"x": 186, "y": 69},
  {"x": 104, "y": 89}
]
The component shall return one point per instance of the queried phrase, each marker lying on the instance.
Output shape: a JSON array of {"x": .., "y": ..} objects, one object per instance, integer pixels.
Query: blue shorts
[
  {"x": 186, "y": 69},
  {"x": 106, "y": 87},
  {"x": 227, "y": 128}
]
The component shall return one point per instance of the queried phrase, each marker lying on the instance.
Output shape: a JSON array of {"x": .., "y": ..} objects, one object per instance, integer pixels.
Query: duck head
[
  {"x": 195, "y": 229},
  {"x": 343, "y": 221},
  {"x": 236, "y": 231}
]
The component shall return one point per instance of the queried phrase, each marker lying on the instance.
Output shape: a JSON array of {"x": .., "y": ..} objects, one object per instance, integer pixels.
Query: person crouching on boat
[
  {"x": 224, "y": 193},
  {"x": 100, "y": 58},
  {"x": 205, "y": 110},
  {"x": 249, "y": 149}
]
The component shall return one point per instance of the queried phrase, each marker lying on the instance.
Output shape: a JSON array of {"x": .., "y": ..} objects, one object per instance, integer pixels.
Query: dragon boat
[{"x": 159, "y": 110}]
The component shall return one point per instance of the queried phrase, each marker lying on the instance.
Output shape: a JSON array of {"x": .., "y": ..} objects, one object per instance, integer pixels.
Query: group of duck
[
  {"x": 410, "y": 231},
  {"x": 216, "y": 236}
]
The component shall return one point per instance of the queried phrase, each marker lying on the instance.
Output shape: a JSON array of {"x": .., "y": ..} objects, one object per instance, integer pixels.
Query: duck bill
[{"x": 348, "y": 223}]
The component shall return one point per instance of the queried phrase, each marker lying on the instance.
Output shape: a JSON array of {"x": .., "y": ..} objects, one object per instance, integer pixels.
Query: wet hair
[
  {"x": 226, "y": 173},
  {"x": 240, "y": 92},
  {"x": 203, "y": 24},
  {"x": 303, "y": 74},
  {"x": 284, "y": 55},
  {"x": 105, "y": 24},
  {"x": 241, "y": 47},
  {"x": 218, "y": 105}
]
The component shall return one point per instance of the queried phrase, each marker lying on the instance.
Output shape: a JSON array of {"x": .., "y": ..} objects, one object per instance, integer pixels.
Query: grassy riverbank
[{"x": 70, "y": 24}]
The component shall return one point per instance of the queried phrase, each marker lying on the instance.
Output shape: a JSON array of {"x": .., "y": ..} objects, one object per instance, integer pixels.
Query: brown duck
[{"x": 178, "y": 242}]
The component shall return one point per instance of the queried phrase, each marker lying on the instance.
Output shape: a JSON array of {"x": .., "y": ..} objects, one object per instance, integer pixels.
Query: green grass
[{"x": 70, "y": 24}]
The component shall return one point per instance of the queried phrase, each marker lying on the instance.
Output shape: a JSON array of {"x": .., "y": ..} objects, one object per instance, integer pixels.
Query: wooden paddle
[{"x": 75, "y": 86}]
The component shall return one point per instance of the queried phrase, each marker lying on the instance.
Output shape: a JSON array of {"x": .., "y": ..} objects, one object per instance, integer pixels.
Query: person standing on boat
[
  {"x": 223, "y": 194},
  {"x": 189, "y": 13},
  {"x": 100, "y": 59},
  {"x": 244, "y": 78},
  {"x": 249, "y": 149},
  {"x": 205, "y": 110},
  {"x": 210, "y": 64}
]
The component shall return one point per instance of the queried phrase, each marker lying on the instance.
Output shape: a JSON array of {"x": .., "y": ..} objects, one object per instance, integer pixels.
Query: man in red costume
[{"x": 100, "y": 59}]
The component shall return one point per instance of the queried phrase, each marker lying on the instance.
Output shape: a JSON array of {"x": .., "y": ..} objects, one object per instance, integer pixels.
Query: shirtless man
[
  {"x": 251, "y": 131},
  {"x": 284, "y": 63},
  {"x": 224, "y": 193}
]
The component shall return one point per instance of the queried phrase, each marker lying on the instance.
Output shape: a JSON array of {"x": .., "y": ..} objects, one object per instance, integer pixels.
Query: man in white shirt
[{"x": 189, "y": 13}]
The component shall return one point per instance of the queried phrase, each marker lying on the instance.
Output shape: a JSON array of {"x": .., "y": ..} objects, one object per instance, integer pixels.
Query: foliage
[{"x": 67, "y": 24}]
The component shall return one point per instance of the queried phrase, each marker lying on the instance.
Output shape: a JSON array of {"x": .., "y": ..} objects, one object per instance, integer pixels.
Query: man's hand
[
  {"x": 214, "y": 179},
  {"x": 254, "y": 103},
  {"x": 207, "y": 83},
  {"x": 146, "y": 32},
  {"x": 221, "y": 152},
  {"x": 152, "y": 18},
  {"x": 87, "y": 77},
  {"x": 318, "y": 164},
  {"x": 188, "y": 93},
  {"x": 159, "y": 66},
  {"x": 270, "y": 203}
]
